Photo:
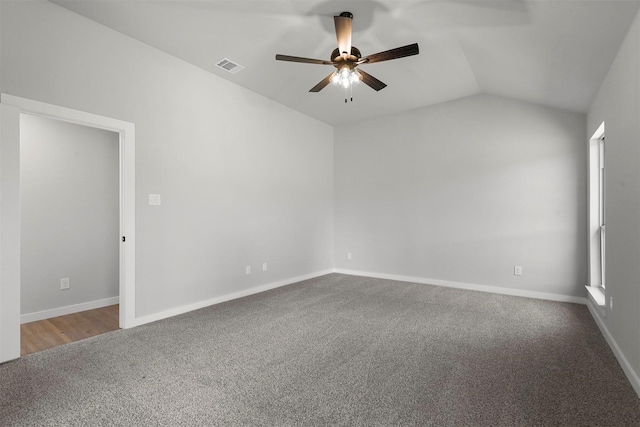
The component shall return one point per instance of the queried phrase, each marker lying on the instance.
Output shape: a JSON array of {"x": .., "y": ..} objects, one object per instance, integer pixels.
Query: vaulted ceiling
[{"x": 550, "y": 52}]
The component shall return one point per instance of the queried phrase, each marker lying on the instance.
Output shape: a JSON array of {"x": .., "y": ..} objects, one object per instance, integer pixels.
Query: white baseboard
[
  {"x": 632, "y": 376},
  {"x": 228, "y": 297},
  {"x": 468, "y": 286},
  {"x": 70, "y": 309}
]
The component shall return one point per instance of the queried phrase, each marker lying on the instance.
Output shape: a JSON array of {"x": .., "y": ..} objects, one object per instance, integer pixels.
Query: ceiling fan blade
[
  {"x": 399, "y": 52},
  {"x": 303, "y": 60},
  {"x": 343, "y": 32},
  {"x": 371, "y": 81},
  {"x": 322, "y": 84}
]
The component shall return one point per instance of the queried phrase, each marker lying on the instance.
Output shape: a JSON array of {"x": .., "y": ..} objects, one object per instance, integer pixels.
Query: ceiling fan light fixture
[
  {"x": 346, "y": 77},
  {"x": 355, "y": 77},
  {"x": 346, "y": 58}
]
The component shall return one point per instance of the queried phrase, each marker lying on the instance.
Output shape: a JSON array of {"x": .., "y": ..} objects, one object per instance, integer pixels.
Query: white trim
[
  {"x": 63, "y": 113},
  {"x": 594, "y": 259},
  {"x": 69, "y": 309},
  {"x": 9, "y": 233},
  {"x": 127, "y": 131},
  {"x": 597, "y": 294},
  {"x": 228, "y": 297},
  {"x": 624, "y": 363},
  {"x": 468, "y": 286}
]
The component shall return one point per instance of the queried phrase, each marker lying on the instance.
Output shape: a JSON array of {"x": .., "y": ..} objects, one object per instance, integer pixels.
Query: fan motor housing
[{"x": 354, "y": 57}]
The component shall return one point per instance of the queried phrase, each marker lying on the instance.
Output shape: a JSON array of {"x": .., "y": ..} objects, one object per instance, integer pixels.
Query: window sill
[{"x": 597, "y": 294}]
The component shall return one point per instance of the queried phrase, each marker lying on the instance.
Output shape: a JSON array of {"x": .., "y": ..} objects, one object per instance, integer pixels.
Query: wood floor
[{"x": 49, "y": 333}]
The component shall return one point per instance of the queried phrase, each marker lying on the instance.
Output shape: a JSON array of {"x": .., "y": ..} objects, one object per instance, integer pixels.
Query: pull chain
[{"x": 345, "y": 94}]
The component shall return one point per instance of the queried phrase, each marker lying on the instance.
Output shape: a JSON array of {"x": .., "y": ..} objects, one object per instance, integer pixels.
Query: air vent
[{"x": 229, "y": 66}]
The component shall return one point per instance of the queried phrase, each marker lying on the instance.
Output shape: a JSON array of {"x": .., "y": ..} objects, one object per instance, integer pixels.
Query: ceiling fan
[{"x": 346, "y": 58}]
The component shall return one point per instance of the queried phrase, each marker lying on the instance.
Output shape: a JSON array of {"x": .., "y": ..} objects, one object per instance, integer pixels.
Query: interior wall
[
  {"x": 243, "y": 180},
  {"x": 464, "y": 191},
  {"x": 69, "y": 197},
  {"x": 618, "y": 105}
]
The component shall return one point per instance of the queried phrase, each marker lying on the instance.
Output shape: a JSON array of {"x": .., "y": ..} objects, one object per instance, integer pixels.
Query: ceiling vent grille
[{"x": 229, "y": 66}]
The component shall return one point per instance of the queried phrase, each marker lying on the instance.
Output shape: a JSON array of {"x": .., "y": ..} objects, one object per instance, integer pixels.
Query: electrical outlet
[
  {"x": 517, "y": 270},
  {"x": 154, "y": 200},
  {"x": 247, "y": 269},
  {"x": 611, "y": 304},
  {"x": 64, "y": 283},
  {"x": 348, "y": 255},
  {"x": 264, "y": 266}
]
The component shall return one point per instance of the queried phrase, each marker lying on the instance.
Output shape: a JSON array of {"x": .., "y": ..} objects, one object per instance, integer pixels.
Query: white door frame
[{"x": 9, "y": 230}]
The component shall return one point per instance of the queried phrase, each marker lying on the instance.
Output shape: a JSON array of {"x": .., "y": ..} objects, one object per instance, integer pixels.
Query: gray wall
[
  {"x": 462, "y": 192},
  {"x": 618, "y": 105},
  {"x": 69, "y": 206},
  {"x": 243, "y": 179}
]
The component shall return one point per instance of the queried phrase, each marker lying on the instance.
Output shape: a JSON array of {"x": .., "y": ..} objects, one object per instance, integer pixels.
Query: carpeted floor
[{"x": 336, "y": 350}]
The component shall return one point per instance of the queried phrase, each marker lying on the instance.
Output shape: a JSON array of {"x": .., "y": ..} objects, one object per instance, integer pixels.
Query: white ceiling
[{"x": 551, "y": 52}]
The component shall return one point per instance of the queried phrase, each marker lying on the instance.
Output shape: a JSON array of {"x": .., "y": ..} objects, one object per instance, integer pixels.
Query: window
[
  {"x": 601, "y": 213},
  {"x": 597, "y": 218}
]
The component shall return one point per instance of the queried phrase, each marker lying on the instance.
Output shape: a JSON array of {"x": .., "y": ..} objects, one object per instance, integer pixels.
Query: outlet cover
[
  {"x": 264, "y": 266},
  {"x": 155, "y": 200},
  {"x": 517, "y": 270},
  {"x": 64, "y": 283},
  {"x": 247, "y": 269}
]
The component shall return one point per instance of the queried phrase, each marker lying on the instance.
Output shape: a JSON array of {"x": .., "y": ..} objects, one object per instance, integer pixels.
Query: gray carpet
[{"x": 336, "y": 350}]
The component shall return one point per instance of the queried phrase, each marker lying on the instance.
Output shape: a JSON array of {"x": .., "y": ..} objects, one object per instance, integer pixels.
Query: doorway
[
  {"x": 12, "y": 108},
  {"x": 69, "y": 225}
]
